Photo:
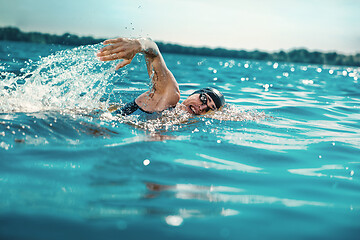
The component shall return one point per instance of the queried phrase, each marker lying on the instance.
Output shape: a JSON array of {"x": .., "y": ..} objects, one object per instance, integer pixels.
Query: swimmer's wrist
[
  {"x": 142, "y": 42},
  {"x": 148, "y": 47}
]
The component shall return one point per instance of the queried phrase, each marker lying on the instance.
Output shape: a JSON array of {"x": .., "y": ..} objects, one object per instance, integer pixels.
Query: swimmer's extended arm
[
  {"x": 126, "y": 49},
  {"x": 165, "y": 90}
]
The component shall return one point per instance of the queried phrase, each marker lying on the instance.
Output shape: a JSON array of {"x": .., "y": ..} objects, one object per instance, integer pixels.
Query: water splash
[
  {"x": 236, "y": 114},
  {"x": 176, "y": 118},
  {"x": 171, "y": 119},
  {"x": 68, "y": 79},
  {"x": 75, "y": 81}
]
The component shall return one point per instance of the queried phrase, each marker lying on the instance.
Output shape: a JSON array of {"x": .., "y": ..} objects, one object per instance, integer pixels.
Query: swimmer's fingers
[
  {"x": 113, "y": 41},
  {"x": 115, "y": 54},
  {"x": 123, "y": 64},
  {"x": 119, "y": 55},
  {"x": 115, "y": 44},
  {"x": 119, "y": 48},
  {"x": 110, "y": 50},
  {"x": 111, "y": 57}
]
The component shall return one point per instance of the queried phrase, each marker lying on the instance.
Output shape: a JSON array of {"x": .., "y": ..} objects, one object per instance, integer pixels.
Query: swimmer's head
[{"x": 203, "y": 100}]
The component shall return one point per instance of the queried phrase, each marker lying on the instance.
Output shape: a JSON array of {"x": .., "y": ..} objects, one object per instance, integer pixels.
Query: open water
[{"x": 280, "y": 161}]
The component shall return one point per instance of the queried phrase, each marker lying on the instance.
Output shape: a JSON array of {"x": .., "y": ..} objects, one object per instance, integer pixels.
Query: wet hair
[{"x": 215, "y": 95}]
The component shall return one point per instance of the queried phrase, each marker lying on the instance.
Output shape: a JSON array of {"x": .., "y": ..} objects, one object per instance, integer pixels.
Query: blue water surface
[{"x": 280, "y": 161}]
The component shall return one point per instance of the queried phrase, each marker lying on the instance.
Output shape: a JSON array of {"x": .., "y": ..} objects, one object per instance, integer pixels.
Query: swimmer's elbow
[{"x": 176, "y": 98}]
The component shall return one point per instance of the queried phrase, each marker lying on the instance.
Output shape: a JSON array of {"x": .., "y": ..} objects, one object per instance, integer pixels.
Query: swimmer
[{"x": 164, "y": 93}]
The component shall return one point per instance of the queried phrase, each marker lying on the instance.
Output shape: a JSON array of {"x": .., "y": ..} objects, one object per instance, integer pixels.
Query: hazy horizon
[{"x": 321, "y": 25}]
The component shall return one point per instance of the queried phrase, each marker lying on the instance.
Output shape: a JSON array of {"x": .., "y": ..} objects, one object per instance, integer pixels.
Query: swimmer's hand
[{"x": 120, "y": 48}]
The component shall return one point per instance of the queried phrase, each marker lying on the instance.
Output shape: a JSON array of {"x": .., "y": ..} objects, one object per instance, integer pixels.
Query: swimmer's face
[{"x": 199, "y": 103}]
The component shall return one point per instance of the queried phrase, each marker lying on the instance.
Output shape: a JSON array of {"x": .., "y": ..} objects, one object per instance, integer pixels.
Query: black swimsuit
[{"x": 131, "y": 108}]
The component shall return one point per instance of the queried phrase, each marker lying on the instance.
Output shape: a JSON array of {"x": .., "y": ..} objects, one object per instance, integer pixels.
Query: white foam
[{"x": 68, "y": 79}]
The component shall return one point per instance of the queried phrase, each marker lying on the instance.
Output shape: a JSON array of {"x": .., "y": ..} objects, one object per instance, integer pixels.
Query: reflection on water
[
  {"x": 219, "y": 164},
  {"x": 318, "y": 172},
  {"x": 216, "y": 194}
]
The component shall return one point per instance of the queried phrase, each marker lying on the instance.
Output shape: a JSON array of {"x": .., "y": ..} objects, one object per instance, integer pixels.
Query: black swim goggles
[
  {"x": 214, "y": 94},
  {"x": 204, "y": 100}
]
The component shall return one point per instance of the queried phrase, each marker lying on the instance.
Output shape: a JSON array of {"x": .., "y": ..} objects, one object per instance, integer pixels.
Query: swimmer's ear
[{"x": 123, "y": 64}]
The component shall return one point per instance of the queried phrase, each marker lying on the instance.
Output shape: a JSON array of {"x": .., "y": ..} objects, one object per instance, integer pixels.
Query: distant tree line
[
  {"x": 296, "y": 55},
  {"x": 15, "y": 34}
]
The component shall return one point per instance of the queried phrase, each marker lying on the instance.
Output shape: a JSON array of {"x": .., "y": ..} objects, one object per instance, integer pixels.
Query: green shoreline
[{"x": 295, "y": 56}]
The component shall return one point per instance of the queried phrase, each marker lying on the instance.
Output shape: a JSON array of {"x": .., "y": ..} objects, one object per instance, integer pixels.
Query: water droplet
[
  {"x": 174, "y": 220},
  {"x": 146, "y": 162},
  {"x": 306, "y": 82},
  {"x": 266, "y": 87},
  {"x": 195, "y": 130}
]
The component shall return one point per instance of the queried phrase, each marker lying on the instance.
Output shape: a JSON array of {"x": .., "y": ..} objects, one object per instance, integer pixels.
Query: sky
[{"x": 266, "y": 25}]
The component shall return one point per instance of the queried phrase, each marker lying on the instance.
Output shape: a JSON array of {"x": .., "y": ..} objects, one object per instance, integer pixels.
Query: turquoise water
[{"x": 280, "y": 161}]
